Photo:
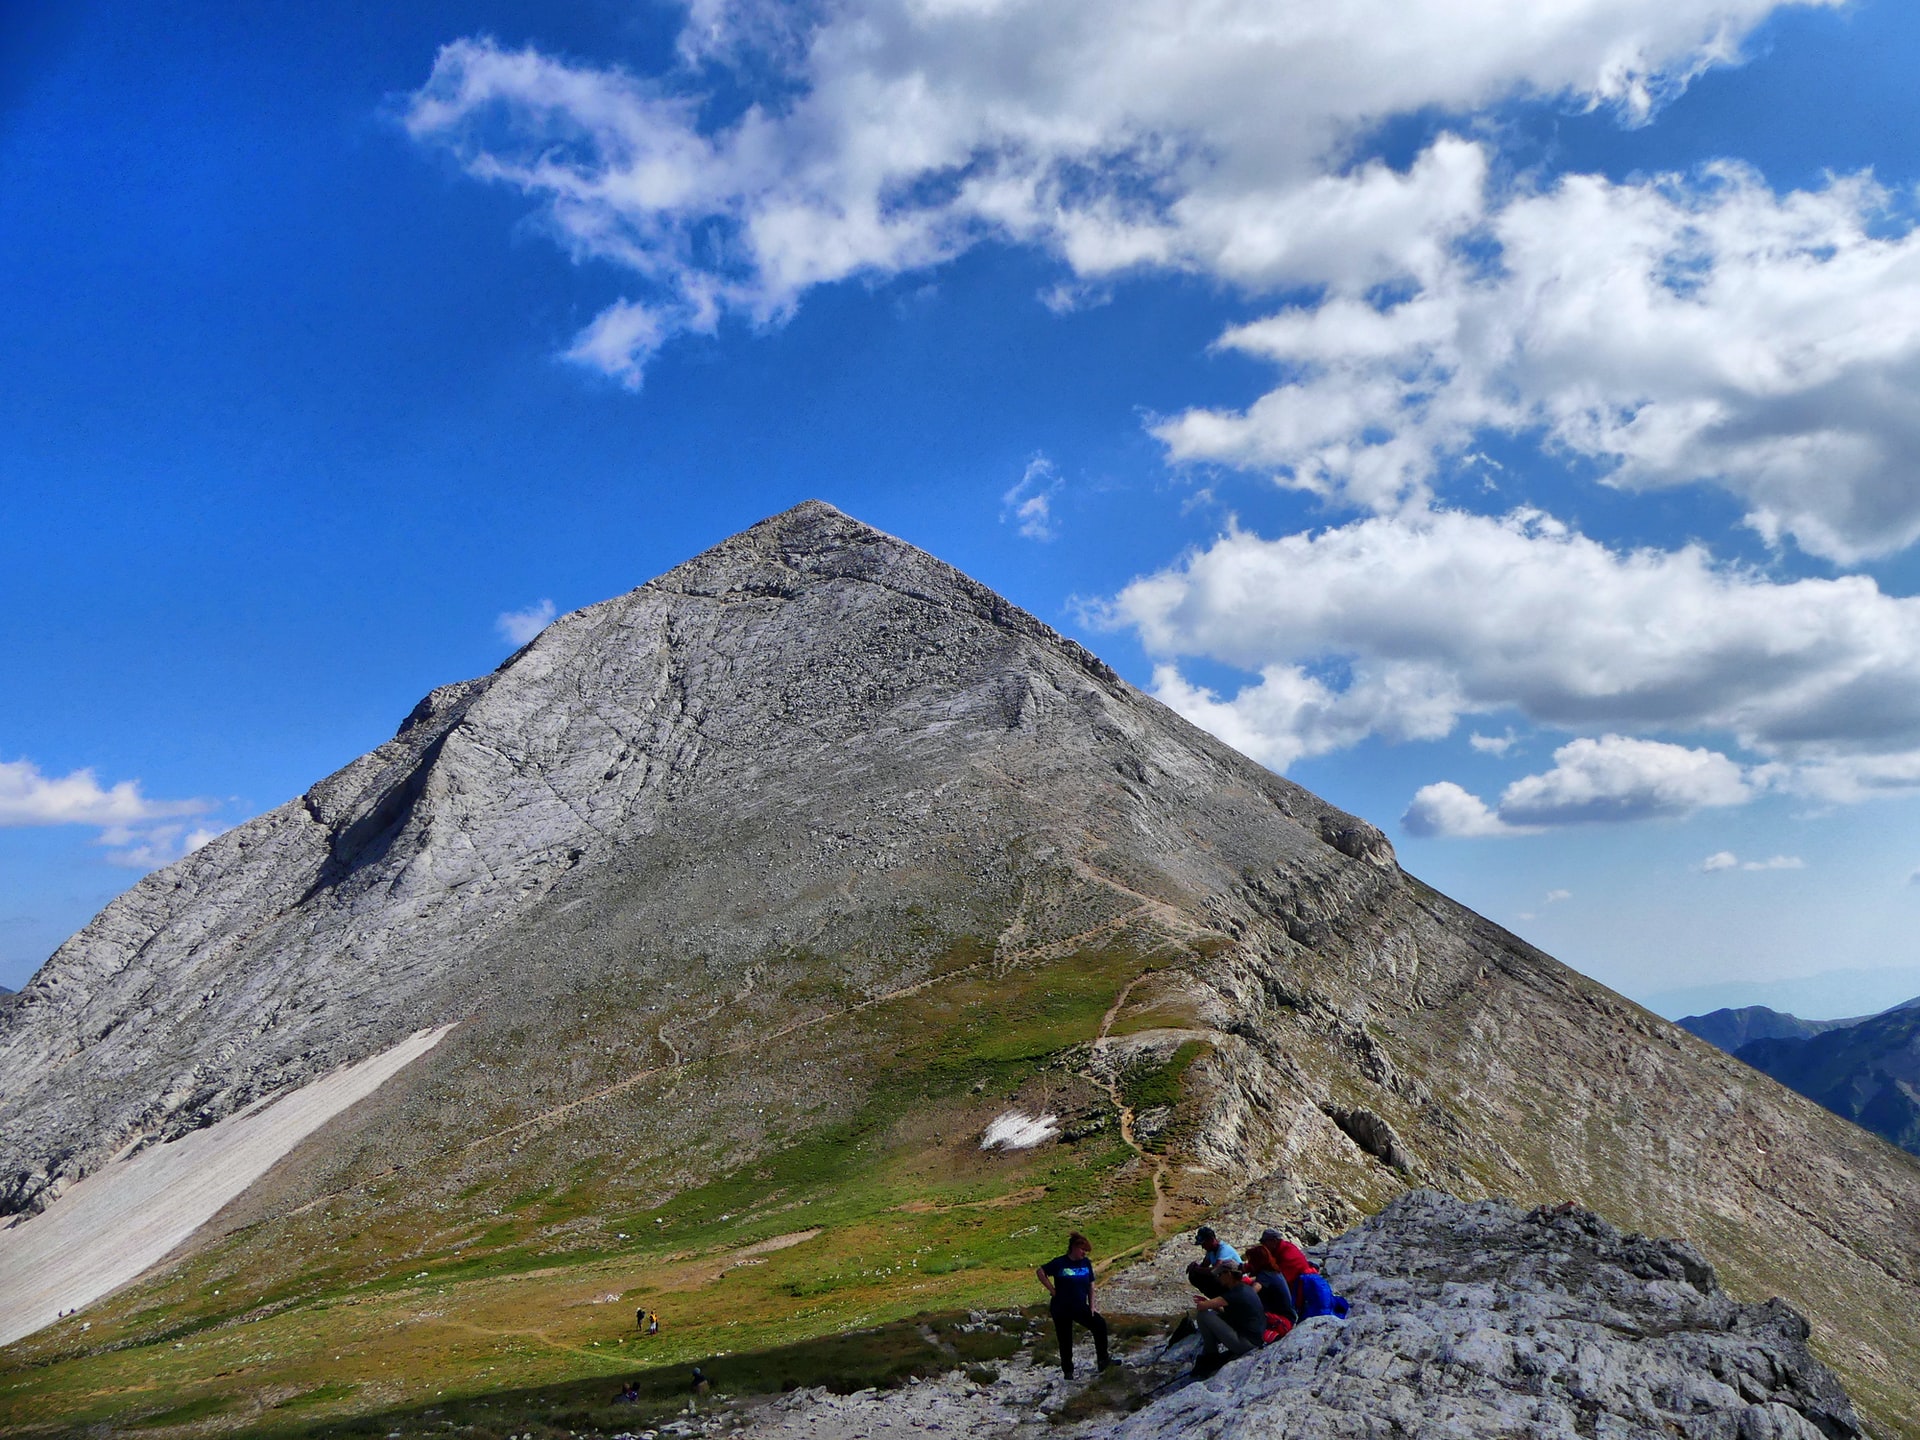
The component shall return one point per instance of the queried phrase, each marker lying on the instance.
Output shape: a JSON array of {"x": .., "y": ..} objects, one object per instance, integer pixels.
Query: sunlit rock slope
[{"x": 705, "y": 867}]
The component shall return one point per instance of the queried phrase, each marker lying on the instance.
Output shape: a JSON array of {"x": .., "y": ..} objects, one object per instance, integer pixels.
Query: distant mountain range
[{"x": 1865, "y": 1069}]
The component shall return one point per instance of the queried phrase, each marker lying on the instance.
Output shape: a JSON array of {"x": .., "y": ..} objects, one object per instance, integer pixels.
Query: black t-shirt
[
  {"x": 1072, "y": 1282},
  {"x": 1275, "y": 1298},
  {"x": 1243, "y": 1311}
]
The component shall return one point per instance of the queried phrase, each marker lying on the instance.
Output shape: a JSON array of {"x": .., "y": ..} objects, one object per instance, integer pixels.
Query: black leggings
[{"x": 1063, "y": 1323}]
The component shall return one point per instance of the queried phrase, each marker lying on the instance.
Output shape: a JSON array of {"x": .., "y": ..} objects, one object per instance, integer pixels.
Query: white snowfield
[
  {"x": 1017, "y": 1130},
  {"x": 128, "y": 1216}
]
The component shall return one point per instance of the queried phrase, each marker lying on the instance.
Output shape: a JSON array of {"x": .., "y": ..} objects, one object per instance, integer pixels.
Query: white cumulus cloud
[
  {"x": 1446, "y": 809},
  {"x": 1612, "y": 778},
  {"x": 1433, "y": 617},
  {"x": 1118, "y": 135},
  {"x": 1679, "y": 329},
  {"x": 1617, "y": 777},
  {"x": 518, "y": 627},
  {"x": 28, "y": 797}
]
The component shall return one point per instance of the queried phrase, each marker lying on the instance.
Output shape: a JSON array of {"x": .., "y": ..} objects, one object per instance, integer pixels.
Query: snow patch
[
  {"x": 127, "y": 1216},
  {"x": 1017, "y": 1130}
]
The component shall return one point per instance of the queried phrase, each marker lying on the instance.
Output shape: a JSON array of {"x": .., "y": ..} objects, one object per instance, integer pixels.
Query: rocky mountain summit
[{"x": 786, "y": 874}]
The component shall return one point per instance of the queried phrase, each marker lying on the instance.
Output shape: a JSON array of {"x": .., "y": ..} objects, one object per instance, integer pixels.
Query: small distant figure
[
  {"x": 701, "y": 1385},
  {"x": 629, "y": 1394},
  {"x": 1200, "y": 1274},
  {"x": 640, "y": 1318},
  {"x": 653, "y": 1322},
  {"x": 1068, "y": 1280}
]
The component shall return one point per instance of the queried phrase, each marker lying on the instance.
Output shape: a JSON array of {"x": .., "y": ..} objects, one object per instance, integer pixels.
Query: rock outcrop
[
  {"x": 1478, "y": 1320},
  {"x": 1470, "y": 1322},
  {"x": 668, "y": 867}
]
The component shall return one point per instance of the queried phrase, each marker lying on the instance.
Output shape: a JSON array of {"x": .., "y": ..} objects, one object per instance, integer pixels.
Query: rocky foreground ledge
[
  {"x": 1470, "y": 1321},
  {"x": 1479, "y": 1320}
]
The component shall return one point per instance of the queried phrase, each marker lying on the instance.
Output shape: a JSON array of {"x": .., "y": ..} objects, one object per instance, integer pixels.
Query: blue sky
[{"x": 1497, "y": 418}]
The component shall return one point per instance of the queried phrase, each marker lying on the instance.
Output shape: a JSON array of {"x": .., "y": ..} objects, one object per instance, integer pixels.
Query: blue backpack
[{"x": 1313, "y": 1296}]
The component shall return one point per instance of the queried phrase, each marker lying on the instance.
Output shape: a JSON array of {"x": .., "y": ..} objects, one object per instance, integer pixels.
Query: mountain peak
[{"x": 815, "y": 846}]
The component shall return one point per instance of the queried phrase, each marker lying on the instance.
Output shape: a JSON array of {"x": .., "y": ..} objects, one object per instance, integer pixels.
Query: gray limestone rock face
[
  {"x": 755, "y": 738},
  {"x": 1478, "y": 1320},
  {"x": 666, "y": 868}
]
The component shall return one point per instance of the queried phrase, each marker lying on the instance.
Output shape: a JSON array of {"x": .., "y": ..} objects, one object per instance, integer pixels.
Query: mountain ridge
[
  {"x": 770, "y": 884},
  {"x": 349, "y": 824},
  {"x": 1731, "y": 1028},
  {"x": 1868, "y": 1072},
  {"x": 1864, "y": 1070}
]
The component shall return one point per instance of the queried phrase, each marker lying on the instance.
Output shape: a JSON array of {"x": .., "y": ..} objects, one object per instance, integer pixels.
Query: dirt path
[
  {"x": 1109, "y": 1077},
  {"x": 680, "y": 1062},
  {"x": 1148, "y": 907}
]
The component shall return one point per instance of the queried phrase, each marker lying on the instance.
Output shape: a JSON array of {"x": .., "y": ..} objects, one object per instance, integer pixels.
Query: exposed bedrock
[
  {"x": 1472, "y": 1321},
  {"x": 727, "y": 813}
]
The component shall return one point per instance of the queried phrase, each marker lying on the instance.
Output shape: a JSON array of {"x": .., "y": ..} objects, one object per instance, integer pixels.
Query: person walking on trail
[
  {"x": 1231, "y": 1323},
  {"x": 1200, "y": 1273},
  {"x": 1068, "y": 1280}
]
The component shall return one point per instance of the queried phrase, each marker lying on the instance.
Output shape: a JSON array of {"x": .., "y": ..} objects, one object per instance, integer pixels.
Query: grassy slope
[{"x": 900, "y": 1212}]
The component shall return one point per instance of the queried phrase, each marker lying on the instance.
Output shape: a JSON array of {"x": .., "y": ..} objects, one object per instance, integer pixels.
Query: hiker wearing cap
[
  {"x": 1068, "y": 1280},
  {"x": 1200, "y": 1274},
  {"x": 1231, "y": 1322}
]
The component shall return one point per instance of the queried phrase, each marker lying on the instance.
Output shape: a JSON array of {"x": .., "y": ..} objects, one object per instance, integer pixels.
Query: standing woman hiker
[{"x": 1069, "y": 1282}]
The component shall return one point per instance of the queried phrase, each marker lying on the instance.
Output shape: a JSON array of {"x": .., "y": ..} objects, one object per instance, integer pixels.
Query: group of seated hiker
[{"x": 1243, "y": 1304}]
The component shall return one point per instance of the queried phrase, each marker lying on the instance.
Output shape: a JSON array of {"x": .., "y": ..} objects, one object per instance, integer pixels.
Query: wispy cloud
[
  {"x": 137, "y": 831},
  {"x": 157, "y": 845},
  {"x": 1727, "y": 860},
  {"x": 518, "y": 627},
  {"x": 1029, "y": 503}
]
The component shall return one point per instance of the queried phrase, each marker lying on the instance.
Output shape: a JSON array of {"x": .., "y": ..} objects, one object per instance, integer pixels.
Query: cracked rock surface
[
  {"x": 662, "y": 868},
  {"x": 1479, "y": 1320},
  {"x": 1471, "y": 1321}
]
